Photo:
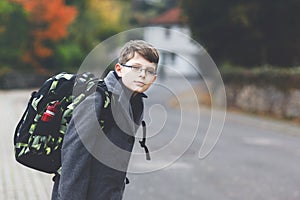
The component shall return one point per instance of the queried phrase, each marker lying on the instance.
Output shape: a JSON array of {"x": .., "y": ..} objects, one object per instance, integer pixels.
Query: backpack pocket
[{"x": 34, "y": 146}]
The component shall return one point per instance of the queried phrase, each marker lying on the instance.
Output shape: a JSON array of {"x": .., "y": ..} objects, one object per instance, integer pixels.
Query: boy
[{"x": 92, "y": 166}]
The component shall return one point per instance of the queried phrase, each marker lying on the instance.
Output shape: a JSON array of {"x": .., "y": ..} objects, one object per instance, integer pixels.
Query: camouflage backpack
[{"x": 39, "y": 134}]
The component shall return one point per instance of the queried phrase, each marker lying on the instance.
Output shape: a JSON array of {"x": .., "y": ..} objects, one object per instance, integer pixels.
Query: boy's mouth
[{"x": 139, "y": 83}]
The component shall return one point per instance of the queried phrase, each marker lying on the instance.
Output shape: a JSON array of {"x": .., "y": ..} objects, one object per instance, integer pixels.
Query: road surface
[{"x": 255, "y": 158}]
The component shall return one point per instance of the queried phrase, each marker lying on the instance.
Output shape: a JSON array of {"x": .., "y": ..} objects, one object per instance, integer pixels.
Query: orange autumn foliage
[{"x": 49, "y": 21}]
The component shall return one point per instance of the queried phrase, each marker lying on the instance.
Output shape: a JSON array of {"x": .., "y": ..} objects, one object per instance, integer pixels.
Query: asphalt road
[{"x": 254, "y": 158}]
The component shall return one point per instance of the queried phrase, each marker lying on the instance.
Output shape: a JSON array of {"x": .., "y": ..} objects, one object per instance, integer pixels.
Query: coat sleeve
[{"x": 76, "y": 159}]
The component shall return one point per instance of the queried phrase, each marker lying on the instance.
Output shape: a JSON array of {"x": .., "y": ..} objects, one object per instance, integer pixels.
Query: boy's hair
[{"x": 145, "y": 49}]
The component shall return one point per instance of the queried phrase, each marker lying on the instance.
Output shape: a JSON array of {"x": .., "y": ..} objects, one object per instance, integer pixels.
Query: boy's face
[{"x": 137, "y": 75}]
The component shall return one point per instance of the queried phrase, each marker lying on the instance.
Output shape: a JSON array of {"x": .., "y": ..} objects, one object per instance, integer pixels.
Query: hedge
[{"x": 281, "y": 78}]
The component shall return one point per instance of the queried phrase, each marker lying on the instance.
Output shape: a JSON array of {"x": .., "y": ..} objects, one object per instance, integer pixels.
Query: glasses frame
[{"x": 134, "y": 69}]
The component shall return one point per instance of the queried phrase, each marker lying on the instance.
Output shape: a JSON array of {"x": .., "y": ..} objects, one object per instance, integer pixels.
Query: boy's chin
[{"x": 139, "y": 90}]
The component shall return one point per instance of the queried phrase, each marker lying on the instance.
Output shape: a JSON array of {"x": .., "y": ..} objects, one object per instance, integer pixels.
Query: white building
[{"x": 170, "y": 34}]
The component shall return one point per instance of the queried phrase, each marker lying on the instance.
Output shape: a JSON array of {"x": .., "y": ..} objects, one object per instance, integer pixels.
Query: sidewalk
[{"x": 16, "y": 181}]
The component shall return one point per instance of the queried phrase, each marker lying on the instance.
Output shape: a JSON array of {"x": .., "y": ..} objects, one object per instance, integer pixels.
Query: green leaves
[{"x": 13, "y": 34}]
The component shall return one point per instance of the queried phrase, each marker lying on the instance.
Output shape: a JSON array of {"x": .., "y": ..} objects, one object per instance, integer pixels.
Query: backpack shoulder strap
[
  {"x": 105, "y": 120},
  {"x": 106, "y": 117}
]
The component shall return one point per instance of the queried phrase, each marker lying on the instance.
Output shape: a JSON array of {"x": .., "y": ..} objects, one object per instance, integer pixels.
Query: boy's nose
[{"x": 142, "y": 72}]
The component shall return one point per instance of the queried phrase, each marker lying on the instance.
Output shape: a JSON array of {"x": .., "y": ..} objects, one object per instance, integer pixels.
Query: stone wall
[
  {"x": 264, "y": 99},
  {"x": 21, "y": 81}
]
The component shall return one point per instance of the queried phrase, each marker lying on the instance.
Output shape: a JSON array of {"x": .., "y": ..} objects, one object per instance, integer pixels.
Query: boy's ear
[
  {"x": 154, "y": 78},
  {"x": 118, "y": 69}
]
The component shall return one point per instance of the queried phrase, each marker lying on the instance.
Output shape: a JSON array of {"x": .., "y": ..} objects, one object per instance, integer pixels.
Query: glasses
[{"x": 148, "y": 71}]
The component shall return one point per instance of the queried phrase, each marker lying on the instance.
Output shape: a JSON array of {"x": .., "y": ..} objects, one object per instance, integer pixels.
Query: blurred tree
[
  {"x": 109, "y": 17},
  {"x": 247, "y": 33},
  {"x": 142, "y": 10},
  {"x": 97, "y": 20},
  {"x": 13, "y": 35},
  {"x": 48, "y": 24},
  {"x": 52, "y": 38}
]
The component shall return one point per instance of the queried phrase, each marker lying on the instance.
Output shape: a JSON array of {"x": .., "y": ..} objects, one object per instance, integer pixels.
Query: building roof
[{"x": 172, "y": 16}]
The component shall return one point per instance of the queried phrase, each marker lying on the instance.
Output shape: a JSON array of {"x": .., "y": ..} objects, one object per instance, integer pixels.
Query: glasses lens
[
  {"x": 148, "y": 71},
  {"x": 136, "y": 69}
]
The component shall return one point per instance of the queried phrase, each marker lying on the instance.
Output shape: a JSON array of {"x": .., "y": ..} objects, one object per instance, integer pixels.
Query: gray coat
[{"x": 94, "y": 163}]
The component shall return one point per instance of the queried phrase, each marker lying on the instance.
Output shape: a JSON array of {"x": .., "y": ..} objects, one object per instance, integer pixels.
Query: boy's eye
[
  {"x": 150, "y": 71},
  {"x": 135, "y": 68}
]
